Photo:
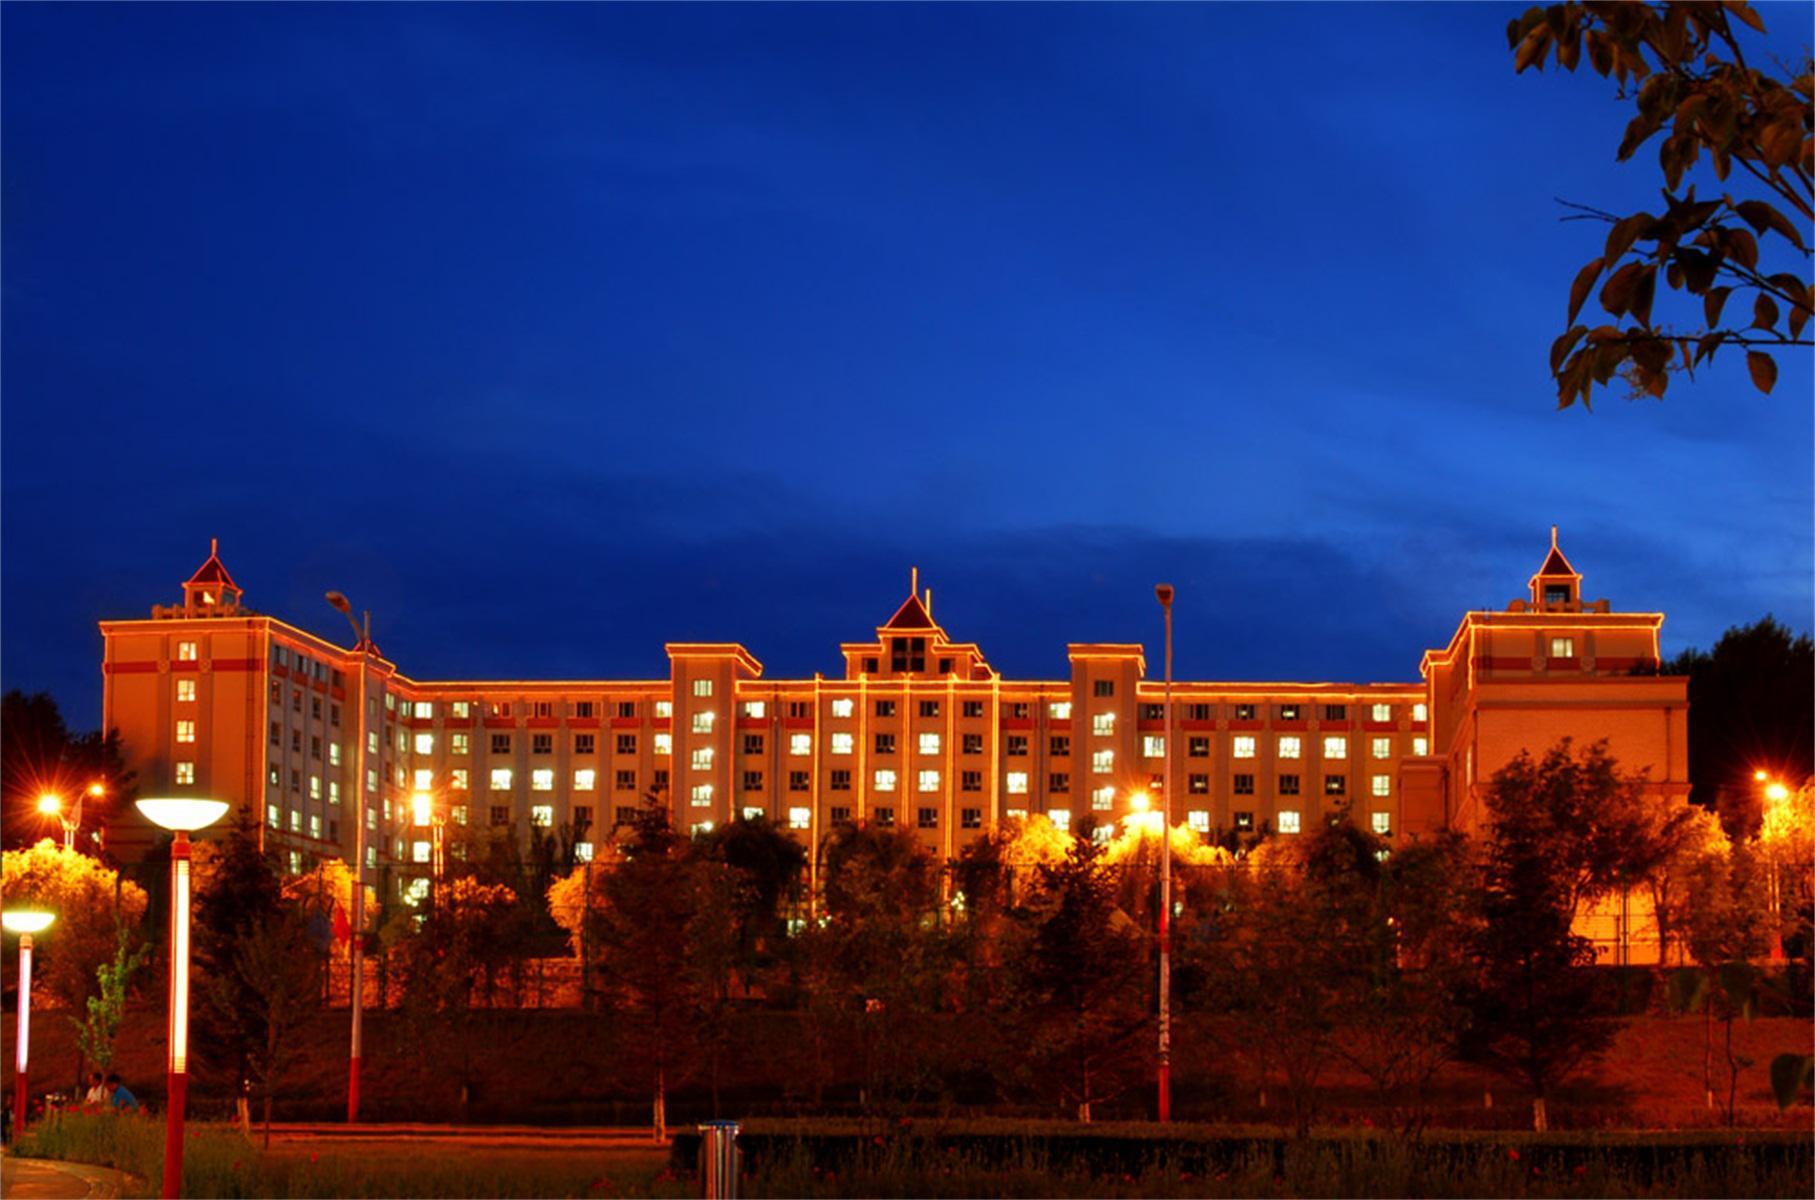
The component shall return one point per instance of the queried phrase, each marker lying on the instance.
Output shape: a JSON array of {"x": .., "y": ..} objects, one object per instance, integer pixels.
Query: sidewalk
[{"x": 46, "y": 1179}]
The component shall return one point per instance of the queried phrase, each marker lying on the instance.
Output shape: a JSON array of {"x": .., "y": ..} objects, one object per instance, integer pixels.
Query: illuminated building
[{"x": 916, "y": 731}]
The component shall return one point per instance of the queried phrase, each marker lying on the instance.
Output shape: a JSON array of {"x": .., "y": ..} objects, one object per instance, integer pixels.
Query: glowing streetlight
[
  {"x": 182, "y": 815},
  {"x": 1776, "y": 792},
  {"x": 362, "y": 634},
  {"x": 1759, "y": 776},
  {"x": 425, "y": 814},
  {"x": 51, "y": 804},
  {"x": 24, "y": 922},
  {"x": 1163, "y": 593}
]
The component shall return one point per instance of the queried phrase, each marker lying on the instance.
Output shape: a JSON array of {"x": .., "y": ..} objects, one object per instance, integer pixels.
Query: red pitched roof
[
  {"x": 1554, "y": 562},
  {"x": 213, "y": 571},
  {"x": 911, "y": 615}
]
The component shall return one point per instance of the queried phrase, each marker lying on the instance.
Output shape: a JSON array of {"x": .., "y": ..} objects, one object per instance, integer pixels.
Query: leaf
[
  {"x": 1764, "y": 312},
  {"x": 1644, "y": 288},
  {"x": 1578, "y": 291},
  {"x": 1799, "y": 316},
  {"x": 1616, "y": 295},
  {"x": 1790, "y": 1073},
  {"x": 1532, "y": 50},
  {"x": 1559, "y": 349},
  {"x": 1713, "y": 302},
  {"x": 1698, "y": 269},
  {"x": 1743, "y": 11},
  {"x": 1706, "y": 345},
  {"x": 1740, "y": 246},
  {"x": 1765, "y": 218},
  {"x": 1764, "y": 370},
  {"x": 1624, "y": 232}
]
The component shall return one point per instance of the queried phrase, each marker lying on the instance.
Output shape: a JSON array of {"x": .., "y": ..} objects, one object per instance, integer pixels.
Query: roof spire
[
  {"x": 913, "y": 581},
  {"x": 1553, "y": 537}
]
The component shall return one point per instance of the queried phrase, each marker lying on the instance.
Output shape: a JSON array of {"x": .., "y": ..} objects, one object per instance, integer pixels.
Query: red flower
[{"x": 1512, "y": 1154}]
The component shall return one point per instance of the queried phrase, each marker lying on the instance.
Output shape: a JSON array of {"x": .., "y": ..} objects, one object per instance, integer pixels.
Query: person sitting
[
  {"x": 97, "y": 1092},
  {"x": 119, "y": 1096}
]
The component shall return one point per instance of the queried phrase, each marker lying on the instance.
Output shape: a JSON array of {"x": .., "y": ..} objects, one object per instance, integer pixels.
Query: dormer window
[
  {"x": 1556, "y": 593},
  {"x": 907, "y": 654}
]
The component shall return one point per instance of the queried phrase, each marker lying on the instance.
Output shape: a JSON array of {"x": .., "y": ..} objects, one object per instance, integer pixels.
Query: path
[{"x": 45, "y": 1179}]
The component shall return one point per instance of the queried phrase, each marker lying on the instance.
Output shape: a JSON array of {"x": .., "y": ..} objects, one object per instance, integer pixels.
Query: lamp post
[
  {"x": 24, "y": 922},
  {"x": 1775, "y": 793},
  {"x": 1164, "y": 593},
  {"x": 356, "y": 944},
  {"x": 181, "y": 815}
]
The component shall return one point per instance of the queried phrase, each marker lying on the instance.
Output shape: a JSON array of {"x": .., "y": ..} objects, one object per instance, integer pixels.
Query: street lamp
[
  {"x": 362, "y": 634},
  {"x": 182, "y": 815},
  {"x": 70, "y": 817},
  {"x": 1775, "y": 793},
  {"x": 24, "y": 922},
  {"x": 1163, "y": 592}
]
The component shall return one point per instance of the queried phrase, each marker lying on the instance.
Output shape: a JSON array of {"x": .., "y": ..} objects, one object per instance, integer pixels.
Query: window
[
  {"x": 885, "y": 743},
  {"x": 843, "y": 707},
  {"x": 1291, "y": 747},
  {"x": 1336, "y": 746},
  {"x": 1288, "y": 820},
  {"x": 1198, "y": 785},
  {"x": 582, "y": 817},
  {"x": 500, "y": 779},
  {"x": 800, "y": 818},
  {"x": 841, "y": 781},
  {"x": 371, "y": 779},
  {"x": 542, "y": 815},
  {"x": 1556, "y": 593},
  {"x": 1059, "y": 710},
  {"x": 972, "y": 743},
  {"x": 1102, "y": 761},
  {"x": 1102, "y": 688},
  {"x": 185, "y": 691},
  {"x": 423, "y": 710},
  {"x": 945, "y": 666},
  {"x": 1153, "y": 745},
  {"x": 315, "y": 827},
  {"x": 583, "y": 709},
  {"x": 493, "y": 708},
  {"x": 663, "y": 743},
  {"x": 1244, "y": 785},
  {"x": 1199, "y": 820},
  {"x": 1335, "y": 712},
  {"x": 841, "y": 814},
  {"x": 627, "y": 709},
  {"x": 1153, "y": 712},
  {"x": 885, "y": 781},
  {"x": 1381, "y": 712},
  {"x": 800, "y": 744},
  {"x": 1017, "y": 745},
  {"x": 458, "y": 779},
  {"x": 500, "y": 743},
  {"x": 1102, "y": 799},
  {"x": 1420, "y": 712},
  {"x": 753, "y": 781},
  {"x": 928, "y": 818},
  {"x": 462, "y": 709},
  {"x": 1244, "y": 745},
  {"x": 422, "y": 780},
  {"x": 970, "y": 781},
  {"x": 800, "y": 710},
  {"x": 799, "y": 781},
  {"x": 1383, "y": 747},
  {"x": 372, "y": 742},
  {"x": 929, "y": 781},
  {"x": 1335, "y": 785},
  {"x": 1058, "y": 747},
  {"x": 755, "y": 709},
  {"x": 1014, "y": 712},
  {"x": 334, "y": 715},
  {"x": 664, "y": 709},
  {"x": 585, "y": 743},
  {"x": 702, "y": 794},
  {"x": 625, "y": 815},
  {"x": 542, "y": 779},
  {"x": 1060, "y": 818},
  {"x": 753, "y": 743},
  {"x": 843, "y": 743},
  {"x": 1288, "y": 785},
  {"x": 500, "y": 814},
  {"x": 702, "y": 721},
  {"x": 372, "y": 817},
  {"x": 929, "y": 708},
  {"x": 1382, "y": 823},
  {"x": 1290, "y": 712},
  {"x": 627, "y": 743},
  {"x": 425, "y": 743},
  {"x": 1562, "y": 647},
  {"x": 185, "y": 731},
  {"x": 1197, "y": 747},
  {"x": 1102, "y": 724},
  {"x": 885, "y": 708},
  {"x": 1058, "y": 781},
  {"x": 624, "y": 781},
  {"x": 333, "y": 754},
  {"x": 185, "y": 651},
  {"x": 702, "y": 688},
  {"x": 1197, "y": 712},
  {"x": 582, "y": 852},
  {"x": 702, "y": 759},
  {"x": 1380, "y": 785},
  {"x": 1421, "y": 746},
  {"x": 295, "y": 821},
  {"x": 929, "y": 743},
  {"x": 907, "y": 654},
  {"x": 185, "y": 772},
  {"x": 970, "y": 818},
  {"x": 973, "y": 708},
  {"x": 1244, "y": 820},
  {"x": 1244, "y": 712},
  {"x": 884, "y": 817},
  {"x": 277, "y": 733},
  {"x": 541, "y": 743}
]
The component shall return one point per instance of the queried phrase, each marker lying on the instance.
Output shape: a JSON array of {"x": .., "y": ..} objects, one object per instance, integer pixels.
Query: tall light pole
[
  {"x": 1164, "y": 593},
  {"x": 24, "y": 922},
  {"x": 69, "y": 816},
  {"x": 356, "y": 944},
  {"x": 182, "y": 816},
  {"x": 1775, "y": 794}
]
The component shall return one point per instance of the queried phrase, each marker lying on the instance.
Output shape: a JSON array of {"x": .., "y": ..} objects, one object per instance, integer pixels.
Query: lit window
[
  {"x": 314, "y": 787},
  {"x": 1198, "y": 819},
  {"x": 1382, "y": 712},
  {"x": 1244, "y": 746},
  {"x": 756, "y": 710},
  {"x": 423, "y": 710},
  {"x": 1017, "y": 782},
  {"x": 314, "y": 827},
  {"x": 542, "y": 814},
  {"x": 460, "y": 743},
  {"x": 500, "y": 779},
  {"x": 1382, "y": 822},
  {"x": 462, "y": 709},
  {"x": 333, "y": 791},
  {"x": 929, "y": 743},
  {"x": 702, "y": 721},
  {"x": 843, "y": 743},
  {"x": 1562, "y": 647},
  {"x": 372, "y": 742},
  {"x": 582, "y": 852},
  {"x": 1381, "y": 785},
  {"x": 664, "y": 709},
  {"x": 1336, "y": 747},
  {"x": 1291, "y": 747},
  {"x": 185, "y": 651},
  {"x": 272, "y": 815},
  {"x": 702, "y": 687},
  {"x": 372, "y": 779},
  {"x": 702, "y": 759},
  {"x": 1420, "y": 712},
  {"x": 929, "y": 781},
  {"x": 1060, "y": 710},
  {"x": 371, "y": 858},
  {"x": 1102, "y": 799},
  {"x": 843, "y": 707},
  {"x": 1102, "y": 761},
  {"x": 425, "y": 743},
  {"x": 799, "y": 818},
  {"x": 699, "y": 827},
  {"x": 1060, "y": 817},
  {"x": 800, "y": 743},
  {"x": 585, "y": 779},
  {"x": 1288, "y": 820},
  {"x": 458, "y": 779},
  {"x": 422, "y": 780},
  {"x": 419, "y": 852},
  {"x": 702, "y": 793},
  {"x": 664, "y": 743},
  {"x": 754, "y": 813},
  {"x": 1383, "y": 747},
  {"x": 1103, "y": 724},
  {"x": 295, "y": 821},
  {"x": 542, "y": 779},
  {"x": 333, "y": 754},
  {"x": 1102, "y": 833},
  {"x": 185, "y": 772},
  {"x": 185, "y": 690},
  {"x": 1153, "y": 745},
  {"x": 885, "y": 781},
  {"x": 185, "y": 731},
  {"x": 1421, "y": 746}
]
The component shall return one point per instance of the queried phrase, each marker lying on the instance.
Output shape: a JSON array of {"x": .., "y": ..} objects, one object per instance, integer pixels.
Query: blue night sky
[{"x": 552, "y": 333}]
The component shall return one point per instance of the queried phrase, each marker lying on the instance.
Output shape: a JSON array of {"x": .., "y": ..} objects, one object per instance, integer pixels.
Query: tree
[
  {"x": 1786, "y": 840},
  {"x": 1535, "y": 1016},
  {"x": 1684, "y": 67},
  {"x": 276, "y": 974},
  {"x": 39, "y": 754},
  {"x": 765, "y": 864},
  {"x": 237, "y": 893},
  {"x": 1725, "y": 924},
  {"x": 1681, "y": 847},
  {"x": 1687, "y": 71},
  {"x": 96, "y": 1031},
  {"x": 1753, "y": 697}
]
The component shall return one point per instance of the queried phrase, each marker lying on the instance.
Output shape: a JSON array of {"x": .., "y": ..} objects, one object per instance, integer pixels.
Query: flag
[{"x": 343, "y": 931}]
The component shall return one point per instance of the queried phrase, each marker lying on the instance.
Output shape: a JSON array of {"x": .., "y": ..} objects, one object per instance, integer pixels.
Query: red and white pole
[
  {"x": 21, "y": 1092},
  {"x": 177, "y": 1076},
  {"x": 1164, "y": 593}
]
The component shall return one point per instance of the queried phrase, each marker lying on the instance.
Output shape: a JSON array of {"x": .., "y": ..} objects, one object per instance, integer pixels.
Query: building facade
[{"x": 916, "y": 731}]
